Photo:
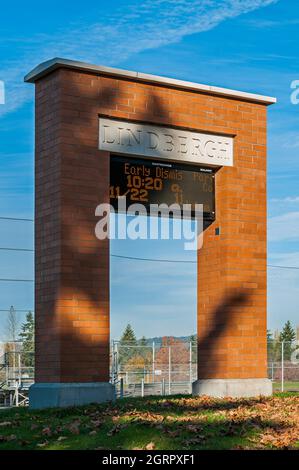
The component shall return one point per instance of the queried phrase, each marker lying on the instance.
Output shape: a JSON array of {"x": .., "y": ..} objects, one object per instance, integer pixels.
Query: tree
[
  {"x": 127, "y": 345},
  {"x": 288, "y": 335},
  {"x": 12, "y": 325},
  {"x": 143, "y": 341},
  {"x": 145, "y": 350},
  {"x": 173, "y": 352},
  {"x": 193, "y": 341},
  {"x": 128, "y": 335},
  {"x": 27, "y": 337},
  {"x": 273, "y": 348}
]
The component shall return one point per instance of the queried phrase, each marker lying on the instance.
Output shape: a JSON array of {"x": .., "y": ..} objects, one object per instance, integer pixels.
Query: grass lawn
[
  {"x": 175, "y": 422},
  {"x": 288, "y": 386}
]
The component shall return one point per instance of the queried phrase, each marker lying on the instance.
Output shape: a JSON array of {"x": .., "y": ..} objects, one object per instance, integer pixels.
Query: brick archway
[{"x": 72, "y": 265}]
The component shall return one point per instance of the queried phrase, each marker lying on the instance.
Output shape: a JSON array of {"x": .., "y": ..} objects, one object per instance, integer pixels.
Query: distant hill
[{"x": 158, "y": 339}]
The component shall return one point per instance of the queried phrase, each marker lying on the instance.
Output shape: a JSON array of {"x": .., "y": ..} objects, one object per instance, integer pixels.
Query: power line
[
  {"x": 133, "y": 258},
  {"x": 116, "y": 256},
  {"x": 17, "y": 310},
  {"x": 15, "y": 249},
  {"x": 17, "y": 218},
  {"x": 282, "y": 267},
  {"x": 16, "y": 280},
  {"x": 187, "y": 261},
  {"x": 154, "y": 259}
]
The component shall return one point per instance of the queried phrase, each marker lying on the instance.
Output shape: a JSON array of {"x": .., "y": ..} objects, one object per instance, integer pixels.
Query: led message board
[{"x": 148, "y": 182}]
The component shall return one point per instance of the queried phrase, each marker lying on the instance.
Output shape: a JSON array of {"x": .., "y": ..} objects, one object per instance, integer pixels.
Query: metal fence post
[
  {"x": 142, "y": 387},
  {"x": 282, "y": 366},
  {"x": 20, "y": 369},
  {"x": 163, "y": 386},
  {"x": 169, "y": 370},
  {"x": 190, "y": 362},
  {"x": 153, "y": 347},
  {"x": 121, "y": 388}
]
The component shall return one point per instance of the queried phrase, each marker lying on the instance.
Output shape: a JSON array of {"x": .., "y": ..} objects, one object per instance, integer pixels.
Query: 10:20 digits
[{"x": 138, "y": 187}]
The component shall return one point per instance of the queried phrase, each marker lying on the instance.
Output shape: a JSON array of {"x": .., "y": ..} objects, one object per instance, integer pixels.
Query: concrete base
[
  {"x": 50, "y": 395},
  {"x": 232, "y": 387}
]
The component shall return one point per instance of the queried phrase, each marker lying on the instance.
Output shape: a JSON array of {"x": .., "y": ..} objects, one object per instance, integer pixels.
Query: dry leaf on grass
[
  {"x": 150, "y": 446},
  {"x": 42, "y": 444},
  {"x": 74, "y": 428},
  {"x": 5, "y": 423},
  {"x": 47, "y": 431}
]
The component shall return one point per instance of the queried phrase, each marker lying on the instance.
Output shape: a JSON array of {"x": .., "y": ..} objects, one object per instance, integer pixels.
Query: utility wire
[
  {"x": 192, "y": 262},
  {"x": 15, "y": 249},
  {"x": 114, "y": 256},
  {"x": 282, "y": 267},
  {"x": 17, "y": 218},
  {"x": 154, "y": 259},
  {"x": 18, "y": 310},
  {"x": 135, "y": 258}
]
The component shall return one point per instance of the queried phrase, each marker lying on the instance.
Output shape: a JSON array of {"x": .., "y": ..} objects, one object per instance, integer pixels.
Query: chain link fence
[
  {"x": 16, "y": 373},
  {"x": 170, "y": 366},
  {"x": 283, "y": 365},
  {"x": 164, "y": 367}
]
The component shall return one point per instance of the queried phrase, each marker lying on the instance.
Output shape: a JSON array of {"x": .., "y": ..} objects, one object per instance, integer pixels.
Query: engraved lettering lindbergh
[{"x": 166, "y": 143}]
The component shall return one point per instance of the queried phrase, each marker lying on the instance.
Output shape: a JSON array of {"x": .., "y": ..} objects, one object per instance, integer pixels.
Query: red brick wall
[{"x": 72, "y": 266}]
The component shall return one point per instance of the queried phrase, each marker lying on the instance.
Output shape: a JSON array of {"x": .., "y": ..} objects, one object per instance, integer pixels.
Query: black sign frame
[{"x": 121, "y": 181}]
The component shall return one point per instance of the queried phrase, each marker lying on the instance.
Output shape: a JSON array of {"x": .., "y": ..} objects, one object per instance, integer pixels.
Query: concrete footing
[
  {"x": 50, "y": 395},
  {"x": 232, "y": 387}
]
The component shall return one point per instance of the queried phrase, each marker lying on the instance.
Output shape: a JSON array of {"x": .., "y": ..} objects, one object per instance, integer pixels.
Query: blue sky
[{"x": 251, "y": 45}]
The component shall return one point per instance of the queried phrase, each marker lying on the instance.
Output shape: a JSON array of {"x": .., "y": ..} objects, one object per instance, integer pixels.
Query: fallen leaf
[
  {"x": 96, "y": 423},
  {"x": 150, "y": 446},
  {"x": 24, "y": 442},
  {"x": 194, "y": 428},
  {"x": 47, "y": 431},
  {"x": 42, "y": 444},
  {"x": 173, "y": 433},
  {"x": 74, "y": 428},
  {"x": 195, "y": 440}
]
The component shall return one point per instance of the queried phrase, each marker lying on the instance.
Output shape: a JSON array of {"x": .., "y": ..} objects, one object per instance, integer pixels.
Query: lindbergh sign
[{"x": 162, "y": 142}]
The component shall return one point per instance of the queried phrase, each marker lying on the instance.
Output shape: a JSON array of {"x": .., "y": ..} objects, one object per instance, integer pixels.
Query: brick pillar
[
  {"x": 72, "y": 265},
  {"x": 232, "y": 276}
]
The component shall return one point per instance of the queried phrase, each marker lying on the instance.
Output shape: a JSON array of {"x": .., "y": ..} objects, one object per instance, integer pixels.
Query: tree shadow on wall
[
  {"x": 221, "y": 318},
  {"x": 84, "y": 280},
  {"x": 84, "y": 339}
]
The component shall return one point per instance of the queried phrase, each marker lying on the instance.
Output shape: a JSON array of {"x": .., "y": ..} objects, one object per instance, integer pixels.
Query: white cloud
[
  {"x": 269, "y": 24},
  {"x": 114, "y": 38},
  {"x": 285, "y": 200},
  {"x": 285, "y": 258},
  {"x": 284, "y": 227}
]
